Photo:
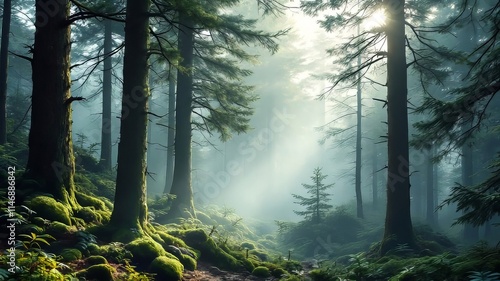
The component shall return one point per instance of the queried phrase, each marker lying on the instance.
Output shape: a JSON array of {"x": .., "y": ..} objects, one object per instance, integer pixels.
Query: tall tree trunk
[
  {"x": 417, "y": 192},
  {"x": 50, "y": 158},
  {"x": 436, "y": 190},
  {"x": 398, "y": 225},
  {"x": 106, "y": 99},
  {"x": 171, "y": 131},
  {"x": 4, "y": 64},
  {"x": 470, "y": 233},
  {"x": 130, "y": 210},
  {"x": 374, "y": 177},
  {"x": 359, "y": 199},
  {"x": 430, "y": 218},
  {"x": 181, "y": 184}
]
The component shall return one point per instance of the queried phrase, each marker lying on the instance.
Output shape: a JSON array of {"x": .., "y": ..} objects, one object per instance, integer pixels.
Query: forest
[{"x": 293, "y": 140}]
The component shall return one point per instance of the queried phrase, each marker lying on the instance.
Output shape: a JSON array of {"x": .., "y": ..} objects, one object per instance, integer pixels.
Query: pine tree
[
  {"x": 457, "y": 118},
  {"x": 211, "y": 95},
  {"x": 50, "y": 159},
  {"x": 130, "y": 209},
  {"x": 316, "y": 204}
]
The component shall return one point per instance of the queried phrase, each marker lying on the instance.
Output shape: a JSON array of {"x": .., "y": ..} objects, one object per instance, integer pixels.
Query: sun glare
[{"x": 377, "y": 19}]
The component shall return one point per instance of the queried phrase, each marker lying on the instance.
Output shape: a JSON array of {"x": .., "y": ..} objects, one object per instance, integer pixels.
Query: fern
[
  {"x": 484, "y": 276},
  {"x": 4, "y": 274}
]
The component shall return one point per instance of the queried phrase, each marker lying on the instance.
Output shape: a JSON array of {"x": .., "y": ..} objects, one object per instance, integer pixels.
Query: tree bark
[
  {"x": 130, "y": 210},
  {"x": 470, "y": 233},
  {"x": 4, "y": 64},
  {"x": 106, "y": 99},
  {"x": 417, "y": 192},
  {"x": 171, "y": 131},
  {"x": 430, "y": 208},
  {"x": 398, "y": 224},
  {"x": 374, "y": 177},
  {"x": 181, "y": 184},
  {"x": 359, "y": 199},
  {"x": 50, "y": 158}
]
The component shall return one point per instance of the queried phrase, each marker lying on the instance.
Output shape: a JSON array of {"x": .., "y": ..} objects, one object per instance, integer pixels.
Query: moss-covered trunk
[
  {"x": 181, "y": 185},
  {"x": 130, "y": 210},
  {"x": 398, "y": 225},
  {"x": 50, "y": 159},
  {"x": 106, "y": 99}
]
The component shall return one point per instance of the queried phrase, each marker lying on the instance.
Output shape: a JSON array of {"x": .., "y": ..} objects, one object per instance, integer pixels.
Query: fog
[{"x": 256, "y": 173}]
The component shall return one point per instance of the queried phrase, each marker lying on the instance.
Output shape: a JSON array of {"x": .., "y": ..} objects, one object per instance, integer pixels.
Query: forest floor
[{"x": 207, "y": 272}]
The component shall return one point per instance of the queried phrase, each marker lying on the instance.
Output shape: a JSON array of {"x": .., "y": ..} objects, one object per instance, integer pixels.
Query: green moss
[
  {"x": 93, "y": 249},
  {"x": 247, "y": 245},
  {"x": 93, "y": 260},
  {"x": 105, "y": 216},
  {"x": 205, "y": 219},
  {"x": 166, "y": 268},
  {"x": 188, "y": 262},
  {"x": 106, "y": 202},
  {"x": 260, "y": 254},
  {"x": 58, "y": 229},
  {"x": 70, "y": 254},
  {"x": 145, "y": 250},
  {"x": 89, "y": 201},
  {"x": 249, "y": 264},
  {"x": 170, "y": 240},
  {"x": 261, "y": 271},
  {"x": 114, "y": 252},
  {"x": 198, "y": 239},
  {"x": 278, "y": 272},
  {"x": 82, "y": 183},
  {"x": 50, "y": 209},
  {"x": 88, "y": 214},
  {"x": 99, "y": 272}
]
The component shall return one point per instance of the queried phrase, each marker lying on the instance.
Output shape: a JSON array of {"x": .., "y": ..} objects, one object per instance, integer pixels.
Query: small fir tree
[{"x": 316, "y": 204}]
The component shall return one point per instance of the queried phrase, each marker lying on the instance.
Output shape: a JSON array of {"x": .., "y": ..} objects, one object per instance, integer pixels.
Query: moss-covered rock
[
  {"x": 93, "y": 260},
  {"x": 70, "y": 254},
  {"x": 188, "y": 262},
  {"x": 247, "y": 245},
  {"x": 278, "y": 272},
  {"x": 98, "y": 272},
  {"x": 48, "y": 208},
  {"x": 145, "y": 250},
  {"x": 58, "y": 229},
  {"x": 259, "y": 254},
  {"x": 198, "y": 239},
  {"x": 166, "y": 269},
  {"x": 261, "y": 271},
  {"x": 93, "y": 249}
]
